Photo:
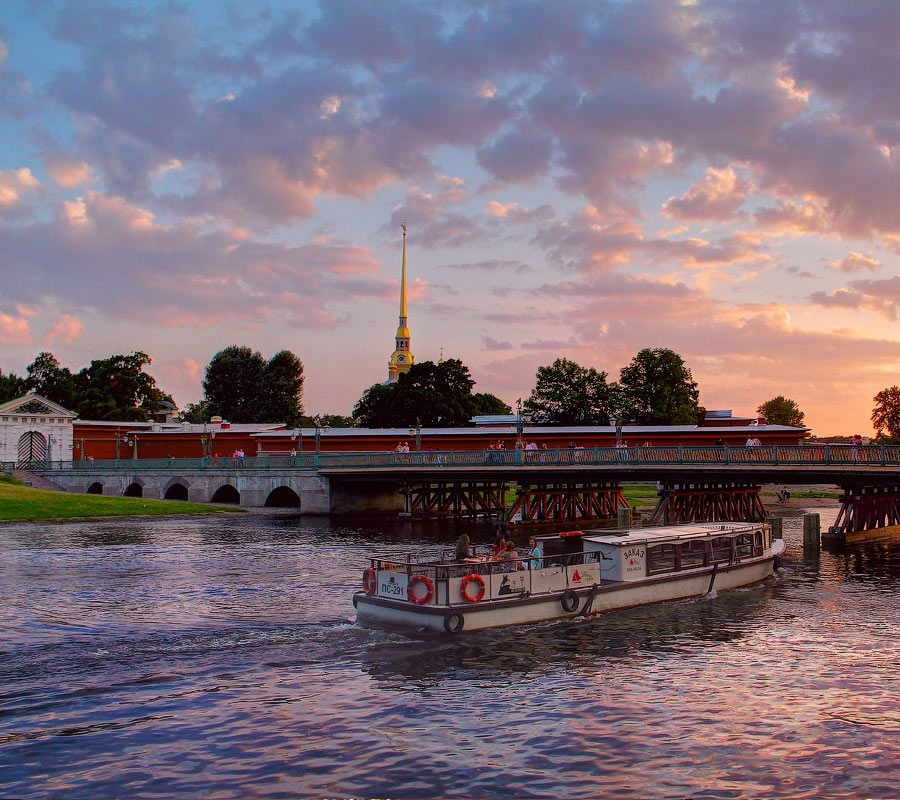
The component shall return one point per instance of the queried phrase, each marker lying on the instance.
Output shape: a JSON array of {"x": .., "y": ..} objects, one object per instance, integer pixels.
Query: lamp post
[
  {"x": 417, "y": 432},
  {"x": 617, "y": 424},
  {"x": 319, "y": 429}
]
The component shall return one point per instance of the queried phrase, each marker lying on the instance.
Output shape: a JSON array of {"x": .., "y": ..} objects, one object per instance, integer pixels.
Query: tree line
[{"x": 242, "y": 386}]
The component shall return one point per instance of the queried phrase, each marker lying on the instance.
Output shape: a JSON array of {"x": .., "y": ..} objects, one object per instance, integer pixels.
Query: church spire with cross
[{"x": 401, "y": 358}]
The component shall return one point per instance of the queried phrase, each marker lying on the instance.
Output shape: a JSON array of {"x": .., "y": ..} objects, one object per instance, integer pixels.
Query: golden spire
[
  {"x": 401, "y": 358},
  {"x": 403, "y": 278}
]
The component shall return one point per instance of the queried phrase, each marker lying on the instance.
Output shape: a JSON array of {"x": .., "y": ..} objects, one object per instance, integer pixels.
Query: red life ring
[
  {"x": 428, "y": 585},
  {"x": 370, "y": 581},
  {"x": 464, "y": 588}
]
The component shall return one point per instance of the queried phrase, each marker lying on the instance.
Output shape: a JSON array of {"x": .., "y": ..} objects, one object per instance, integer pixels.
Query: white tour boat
[{"x": 571, "y": 574}]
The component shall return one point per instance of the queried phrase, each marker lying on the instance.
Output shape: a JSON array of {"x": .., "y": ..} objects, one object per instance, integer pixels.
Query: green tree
[
  {"x": 886, "y": 414},
  {"x": 117, "y": 388},
  {"x": 196, "y": 413},
  {"x": 50, "y": 380},
  {"x": 332, "y": 421},
  {"x": 658, "y": 389},
  {"x": 375, "y": 408},
  {"x": 233, "y": 384},
  {"x": 282, "y": 390},
  {"x": 431, "y": 394},
  {"x": 781, "y": 411},
  {"x": 566, "y": 393},
  {"x": 489, "y": 404},
  {"x": 11, "y": 387}
]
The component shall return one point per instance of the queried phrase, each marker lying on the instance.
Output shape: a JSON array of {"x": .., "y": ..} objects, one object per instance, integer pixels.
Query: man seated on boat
[{"x": 499, "y": 547}]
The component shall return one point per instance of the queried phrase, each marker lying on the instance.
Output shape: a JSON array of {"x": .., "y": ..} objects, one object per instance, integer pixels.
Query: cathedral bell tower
[{"x": 401, "y": 358}]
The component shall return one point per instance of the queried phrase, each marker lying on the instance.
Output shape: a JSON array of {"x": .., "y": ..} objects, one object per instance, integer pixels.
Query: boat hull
[{"x": 466, "y": 617}]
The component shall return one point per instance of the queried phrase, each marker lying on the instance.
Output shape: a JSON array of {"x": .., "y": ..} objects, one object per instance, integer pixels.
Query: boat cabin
[{"x": 571, "y": 560}]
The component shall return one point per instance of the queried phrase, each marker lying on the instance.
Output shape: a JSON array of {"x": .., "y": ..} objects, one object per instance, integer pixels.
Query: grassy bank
[{"x": 20, "y": 503}]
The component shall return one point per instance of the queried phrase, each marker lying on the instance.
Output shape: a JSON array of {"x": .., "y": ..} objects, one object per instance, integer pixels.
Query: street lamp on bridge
[
  {"x": 521, "y": 421},
  {"x": 417, "y": 432},
  {"x": 616, "y": 422},
  {"x": 319, "y": 429}
]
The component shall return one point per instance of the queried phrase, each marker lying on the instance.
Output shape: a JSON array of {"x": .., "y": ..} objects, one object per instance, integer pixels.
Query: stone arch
[
  {"x": 133, "y": 490},
  {"x": 176, "y": 491},
  {"x": 226, "y": 494},
  {"x": 95, "y": 488},
  {"x": 283, "y": 497}
]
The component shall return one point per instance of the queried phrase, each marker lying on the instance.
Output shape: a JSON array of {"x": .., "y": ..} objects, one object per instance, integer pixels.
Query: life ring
[
  {"x": 370, "y": 581},
  {"x": 569, "y": 601},
  {"x": 454, "y": 622},
  {"x": 464, "y": 588},
  {"x": 415, "y": 579}
]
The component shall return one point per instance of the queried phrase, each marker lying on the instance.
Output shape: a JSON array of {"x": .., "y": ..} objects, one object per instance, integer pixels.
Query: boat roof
[{"x": 668, "y": 532}]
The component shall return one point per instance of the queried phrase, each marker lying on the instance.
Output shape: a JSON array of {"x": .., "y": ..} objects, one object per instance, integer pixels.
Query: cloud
[
  {"x": 15, "y": 185},
  {"x": 855, "y": 262},
  {"x": 512, "y": 212},
  {"x": 517, "y": 157},
  {"x": 68, "y": 172},
  {"x": 492, "y": 344},
  {"x": 65, "y": 330},
  {"x": 881, "y": 296},
  {"x": 14, "y": 329},
  {"x": 103, "y": 252},
  {"x": 717, "y": 197}
]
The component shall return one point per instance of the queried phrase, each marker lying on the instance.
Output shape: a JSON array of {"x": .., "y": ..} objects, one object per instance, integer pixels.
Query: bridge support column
[
  {"x": 456, "y": 499},
  {"x": 708, "y": 502},
  {"x": 867, "y": 512},
  {"x": 569, "y": 502}
]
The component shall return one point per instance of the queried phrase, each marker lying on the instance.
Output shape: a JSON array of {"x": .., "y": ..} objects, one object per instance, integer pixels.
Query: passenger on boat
[
  {"x": 534, "y": 553},
  {"x": 463, "y": 551},
  {"x": 511, "y": 561},
  {"x": 499, "y": 547}
]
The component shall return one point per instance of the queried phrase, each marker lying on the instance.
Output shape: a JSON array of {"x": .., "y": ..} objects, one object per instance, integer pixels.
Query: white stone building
[{"x": 34, "y": 429}]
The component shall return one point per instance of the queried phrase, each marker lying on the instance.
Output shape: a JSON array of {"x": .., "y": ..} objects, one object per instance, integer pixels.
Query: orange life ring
[
  {"x": 464, "y": 588},
  {"x": 370, "y": 581},
  {"x": 428, "y": 585}
]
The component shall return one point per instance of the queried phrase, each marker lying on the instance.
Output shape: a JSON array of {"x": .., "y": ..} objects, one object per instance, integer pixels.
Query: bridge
[{"x": 570, "y": 484}]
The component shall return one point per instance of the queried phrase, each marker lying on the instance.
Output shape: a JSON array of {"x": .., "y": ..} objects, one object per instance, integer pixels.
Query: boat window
[
  {"x": 758, "y": 541},
  {"x": 661, "y": 558},
  {"x": 744, "y": 545},
  {"x": 721, "y": 548},
  {"x": 693, "y": 553}
]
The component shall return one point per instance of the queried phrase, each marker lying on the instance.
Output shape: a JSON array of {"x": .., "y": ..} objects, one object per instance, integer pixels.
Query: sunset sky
[{"x": 580, "y": 179}]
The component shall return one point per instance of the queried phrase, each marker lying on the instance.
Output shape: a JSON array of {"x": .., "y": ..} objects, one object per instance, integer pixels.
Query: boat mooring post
[
  {"x": 811, "y": 531},
  {"x": 777, "y": 527},
  {"x": 623, "y": 517}
]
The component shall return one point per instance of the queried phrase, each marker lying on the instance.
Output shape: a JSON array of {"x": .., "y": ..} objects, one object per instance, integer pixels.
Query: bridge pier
[
  {"x": 567, "y": 501},
  {"x": 867, "y": 512},
  {"x": 708, "y": 502}
]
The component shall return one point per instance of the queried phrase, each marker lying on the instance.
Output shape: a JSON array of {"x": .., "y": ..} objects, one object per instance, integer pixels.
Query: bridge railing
[{"x": 800, "y": 455}]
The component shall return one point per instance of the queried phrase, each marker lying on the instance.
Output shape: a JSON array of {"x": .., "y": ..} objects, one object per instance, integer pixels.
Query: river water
[{"x": 219, "y": 658}]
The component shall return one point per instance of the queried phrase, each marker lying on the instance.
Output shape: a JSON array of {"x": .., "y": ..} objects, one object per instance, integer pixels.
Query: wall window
[
  {"x": 693, "y": 553},
  {"x": 661, "y": 558},
  {"x": 721, "y": 548}
]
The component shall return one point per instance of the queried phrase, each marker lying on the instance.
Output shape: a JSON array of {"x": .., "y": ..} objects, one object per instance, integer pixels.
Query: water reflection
[{"x": 173, "y": 658}]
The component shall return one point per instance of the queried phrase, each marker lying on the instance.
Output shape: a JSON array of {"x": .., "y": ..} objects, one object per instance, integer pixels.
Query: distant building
[
  {"x": 34, "y": 429},
  {"x": 402, "y": 357}
]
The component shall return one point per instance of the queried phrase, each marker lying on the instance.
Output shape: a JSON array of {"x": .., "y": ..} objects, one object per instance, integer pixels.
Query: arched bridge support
[
  {"x": 708, "y": 502},
  {"x": 867, "y": 512}
]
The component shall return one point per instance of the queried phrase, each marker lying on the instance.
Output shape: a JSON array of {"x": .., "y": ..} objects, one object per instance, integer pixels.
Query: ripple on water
[{"x": 219, "y": 657}]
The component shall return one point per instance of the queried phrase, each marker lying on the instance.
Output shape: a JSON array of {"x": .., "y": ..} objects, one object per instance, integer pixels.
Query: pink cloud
[
  {"x": 717, "y": 197},
  {"x": 65, "y": 330}
]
